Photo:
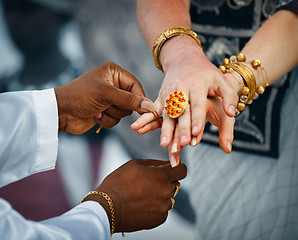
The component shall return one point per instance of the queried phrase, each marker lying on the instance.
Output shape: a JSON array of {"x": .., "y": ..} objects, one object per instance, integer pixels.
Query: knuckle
[
  {"x": 183, "y": 170},
  {"x": 161, "y": 178},
  {"x": 134, "y": 161},
  {"x": 164, "y": 217},
  {"x": 166, "y": 194},
  {"x": 183, "y": 130},
  {"x": 107, "y": 66},
  {"x": 162, "y": 93},
  {"x": 110, "y": 64},
  {"x": 165, "y": 208}
]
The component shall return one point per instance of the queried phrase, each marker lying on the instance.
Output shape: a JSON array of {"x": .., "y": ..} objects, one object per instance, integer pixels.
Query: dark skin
[
  {"x": 103, "y": 95},
  {"x": 141, "y": 190}
]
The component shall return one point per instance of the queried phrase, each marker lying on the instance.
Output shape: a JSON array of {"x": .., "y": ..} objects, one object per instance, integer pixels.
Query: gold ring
[
  {"x": 176, "y": 104},
  {"x": 156, "y": 116},
  {"x": 176, "y": 189},
  {"x": 173, "y": 203}
]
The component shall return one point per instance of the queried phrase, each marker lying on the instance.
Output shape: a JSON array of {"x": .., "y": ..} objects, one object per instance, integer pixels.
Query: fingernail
[
  {"x": 232, "y": 110},
  {"x": 140, "y": 130},
  {"x": 174, "y": 148},
  {"x": 229, "y": 146},
  {"x": 163, "y": 140},
  {"x": 183, "y": 139},
  {"x": 173, "y": 161},
  {"x": 134, "y": 125},
  {"x": 193, "y": 141},
  {"x": 195, "y": 130},
  {"x": 202, "y": 136},
  {"x": 98, "y": 116},
  {"x": 148, "y": 106}
]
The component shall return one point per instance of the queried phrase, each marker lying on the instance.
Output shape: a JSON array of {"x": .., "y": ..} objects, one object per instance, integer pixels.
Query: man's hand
[
  {"x": 103, "y": 95},
  {"x": 141, "y": 191}
]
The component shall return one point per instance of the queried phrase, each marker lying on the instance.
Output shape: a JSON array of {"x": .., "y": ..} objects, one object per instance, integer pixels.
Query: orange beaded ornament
[{"x": 176, "y": 104}]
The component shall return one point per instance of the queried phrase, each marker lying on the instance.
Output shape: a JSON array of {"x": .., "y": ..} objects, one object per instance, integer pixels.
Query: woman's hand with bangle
[{"x": 187, "y": 69}]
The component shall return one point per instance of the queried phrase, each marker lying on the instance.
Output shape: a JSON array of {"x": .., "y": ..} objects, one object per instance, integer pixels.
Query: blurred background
[{"x": 46, "y": 43}]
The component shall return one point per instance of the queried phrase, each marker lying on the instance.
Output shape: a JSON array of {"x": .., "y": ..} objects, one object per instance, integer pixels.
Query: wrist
[
  {"x": 179, "y": 49},
  {"x": 235, "y": 80},
  {"x": 62, "y": 117},
  {"x": 107, "y": 203}
]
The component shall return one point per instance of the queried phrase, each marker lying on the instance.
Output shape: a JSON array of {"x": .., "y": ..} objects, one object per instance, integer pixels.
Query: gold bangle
[
  {"x": 256, "y": 64},
  {"x": 111, "y": 206},
  {"x": 249, "y": 78},
  {"x": 249, "y": 83},
  {"x": 167, "y": 34},
  {"x": 250, "y": 91}
]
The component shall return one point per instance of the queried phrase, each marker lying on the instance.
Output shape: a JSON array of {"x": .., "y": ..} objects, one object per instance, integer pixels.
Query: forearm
[
  {"x": 276, "y": 45},
  {"x": 85, "y": 221},
  {"x": 157, "y": 15},
  {"x": 28, "y": 134}
]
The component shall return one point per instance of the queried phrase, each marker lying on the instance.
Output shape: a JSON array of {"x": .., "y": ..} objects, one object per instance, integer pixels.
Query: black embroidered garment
[{"x": 224, "y": 27}]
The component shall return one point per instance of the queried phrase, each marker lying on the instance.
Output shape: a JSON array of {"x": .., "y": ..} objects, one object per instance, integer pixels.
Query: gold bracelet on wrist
[
  {"x": 249, "y": 91},
  {"x": 167, "y": 34},
  {"x": 249, "y": 83},
  {"x": 111, "y": 206},
  {"x": 256, "y": 64}
]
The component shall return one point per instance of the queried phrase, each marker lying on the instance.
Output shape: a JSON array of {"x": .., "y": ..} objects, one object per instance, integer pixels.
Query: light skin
[
  {"x": 187, "y": 69},
  {"x": 141, "y": 190}
]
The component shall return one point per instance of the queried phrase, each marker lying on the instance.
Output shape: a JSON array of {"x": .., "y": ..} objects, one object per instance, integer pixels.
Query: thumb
[{"x": 130, "y": 101}]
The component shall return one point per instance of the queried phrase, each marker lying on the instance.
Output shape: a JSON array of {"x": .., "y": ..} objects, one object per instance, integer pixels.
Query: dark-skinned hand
[
  {"x": 103, "y": 95},
  {"x": 141, "y": 191}
]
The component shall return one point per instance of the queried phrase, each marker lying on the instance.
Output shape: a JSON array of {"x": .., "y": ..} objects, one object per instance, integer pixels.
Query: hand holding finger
[
  {"x": 151, "y": 126},
  {"x": 83, "y": 99},
  {"x": 141, "y": 191},
  {"x": 225, "y": 124},
  {"x": 147, "y": 118},
  {"x": 174, "y": 148}
]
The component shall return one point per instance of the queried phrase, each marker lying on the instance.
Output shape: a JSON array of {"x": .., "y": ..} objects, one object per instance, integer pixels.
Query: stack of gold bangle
[
  {"x": 249, "y": 91},
  {"x": 167, "y": 34}
]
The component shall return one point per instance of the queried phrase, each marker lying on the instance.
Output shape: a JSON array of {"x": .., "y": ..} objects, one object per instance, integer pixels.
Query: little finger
[
  {"x": 151, "y": 126},
  {"x": 147, "y": 118},
  {"x": 226, "y": 133}
]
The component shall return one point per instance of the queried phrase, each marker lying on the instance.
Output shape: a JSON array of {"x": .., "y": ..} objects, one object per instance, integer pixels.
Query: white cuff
[
  {"x": 47, "y": 136},
  {"x": 100, "y": 212}
]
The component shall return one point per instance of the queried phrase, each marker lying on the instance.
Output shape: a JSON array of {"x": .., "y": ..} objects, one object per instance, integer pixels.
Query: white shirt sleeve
[
  {"x": 85, "y": 221},
  {"x": 28, "y": 134},
  {"x": 29, "y": 144}
]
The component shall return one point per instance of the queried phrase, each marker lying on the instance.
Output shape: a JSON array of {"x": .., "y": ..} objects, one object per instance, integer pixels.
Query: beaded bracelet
[
  {"x": 111, "y": 206},
  {"x": 167, "y": 34},
  {"x": 249, "y": 91},
  {"x": 249, "y": 83},
  {"x": 256, "y": 64}
]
